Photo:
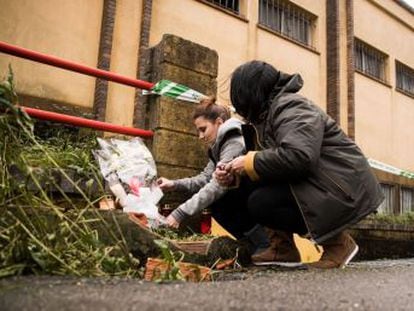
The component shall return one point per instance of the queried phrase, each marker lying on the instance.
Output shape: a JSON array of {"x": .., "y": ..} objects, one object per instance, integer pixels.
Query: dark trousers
[
  {"x": 231, "y": 212},
  {"x": 275, "y": 207}
]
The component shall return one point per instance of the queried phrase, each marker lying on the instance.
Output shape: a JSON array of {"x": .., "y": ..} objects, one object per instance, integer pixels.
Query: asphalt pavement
[{"x": 376, "y": 285}]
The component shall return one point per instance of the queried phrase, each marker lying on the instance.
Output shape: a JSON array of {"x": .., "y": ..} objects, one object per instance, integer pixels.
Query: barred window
[
  {"x": 369, "y": 60},
  {"x": 287, "y": 19},
  {"x": 388, "y": 206},
  {"x": 405, "y": 78},
  {"x": 407, "y": 200},
  {"x": 230, "y": 5}
]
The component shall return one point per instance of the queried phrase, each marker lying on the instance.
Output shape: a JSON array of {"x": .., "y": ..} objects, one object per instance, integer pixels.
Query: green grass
[
  {"x": 403, "y": 219},
  {"x": 28, "y": 243},
  {"x": 182, "y": 235}
]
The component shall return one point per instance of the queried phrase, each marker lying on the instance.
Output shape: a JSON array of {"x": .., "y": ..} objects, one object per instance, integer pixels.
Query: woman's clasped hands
[{"x": 225, "y": 172}]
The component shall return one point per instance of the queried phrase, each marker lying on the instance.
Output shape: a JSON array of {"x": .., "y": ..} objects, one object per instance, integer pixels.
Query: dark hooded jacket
[{"x": 329, "y": 176}]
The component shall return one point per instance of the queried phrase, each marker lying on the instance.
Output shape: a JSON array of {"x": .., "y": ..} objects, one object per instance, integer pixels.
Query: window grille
[
  {"x": 369, "y": 60},
  {"x": 407, "y": 200},
  {"x": 388, "y": 206},
  {"x": 230, "y": 5},
  {"x": 287, "y": 19},
  {"x": 405, "y": 78}
]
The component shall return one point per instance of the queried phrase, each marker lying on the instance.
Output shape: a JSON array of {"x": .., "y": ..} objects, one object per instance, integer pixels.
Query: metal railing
[{"x": 86, "y": 70}]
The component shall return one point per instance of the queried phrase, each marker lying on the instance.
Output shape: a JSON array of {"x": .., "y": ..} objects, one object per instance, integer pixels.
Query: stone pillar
[{"x": 175, "y": 146}]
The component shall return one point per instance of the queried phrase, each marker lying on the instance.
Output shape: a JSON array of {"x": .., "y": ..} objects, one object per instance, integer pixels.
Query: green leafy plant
[
  {"x": 403, "y": 219},
  {"x": 172, "y": 259},
  {"x": 182, "y": 235},
  {"x": 44, "y": 231}
]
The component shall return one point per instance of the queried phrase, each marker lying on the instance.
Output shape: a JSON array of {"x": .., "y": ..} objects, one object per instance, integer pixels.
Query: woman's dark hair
[
  {"x": 208, "y": 109},
  {"x": 250, "y": 88}
]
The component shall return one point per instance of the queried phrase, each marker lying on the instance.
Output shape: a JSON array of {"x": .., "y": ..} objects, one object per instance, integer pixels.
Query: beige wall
[
  {"x": 308, "y": 64},
  {"x": 383, "y": 115},
  {"x": 71, "y": 29},
  {"x": 124, "y": 60},
  {"x": 373, "y": 116},
  {"x": 68, "y": 29},
  {"x": 239, "y": 40},
  {"x": 204, "y": 25}
]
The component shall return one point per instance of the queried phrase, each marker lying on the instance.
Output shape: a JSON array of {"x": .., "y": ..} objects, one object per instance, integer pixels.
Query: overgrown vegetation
[
  {"x": 31, "y": 199},
  {"x": 403, "y": 219},
  {"x": 171, "y": 268},
  {"x": 182, "y": 235},
  {"x": 172, "y": 259},
  {"x": 67, "y": 148}
]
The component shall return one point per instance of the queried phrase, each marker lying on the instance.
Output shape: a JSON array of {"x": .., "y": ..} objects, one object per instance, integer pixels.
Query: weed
[
  {"x": 172, "y": 259},
  {"x": 403, "y": 219},
  {"x": 182, "y": 235},
  {"x": 29, "y": 241}
]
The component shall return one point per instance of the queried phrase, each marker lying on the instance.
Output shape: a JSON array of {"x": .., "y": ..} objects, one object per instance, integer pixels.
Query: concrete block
[
  {"x": 179, "y": 149},
  {"x": 200, "y": 82},
  {"x": 171, "y": 114},
  {"x": 175, "y": 172},
  {"x": 186, "y": 54}
]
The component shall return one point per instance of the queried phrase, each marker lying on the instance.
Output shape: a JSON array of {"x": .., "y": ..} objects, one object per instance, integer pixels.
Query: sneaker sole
[
  {"x": 349, "y": 258},
  {"x": 278, "y": 263}
]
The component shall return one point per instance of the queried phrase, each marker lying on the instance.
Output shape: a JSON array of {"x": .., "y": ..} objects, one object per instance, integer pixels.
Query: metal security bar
[
  {"x": 230, "y": 5},
  {"x": 287, "y": 19},
  {"x": 369, "y": 60},
  {"x": 388, "y": 205},
  {"x": 83, "y": 69},
  {"x": 407, "y": 200},
  {"x": 405, "y": 78}
]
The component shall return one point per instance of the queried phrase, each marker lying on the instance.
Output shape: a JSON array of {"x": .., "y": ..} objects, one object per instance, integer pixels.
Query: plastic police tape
[
  {"x": 390, "y": 169},
  {"x": 175, "y": 90}
]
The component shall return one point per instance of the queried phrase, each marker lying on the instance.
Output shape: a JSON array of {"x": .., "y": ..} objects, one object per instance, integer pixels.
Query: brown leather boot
[
  {"x": 282, "y": 250},
  {"x": 337, "y": 252}
]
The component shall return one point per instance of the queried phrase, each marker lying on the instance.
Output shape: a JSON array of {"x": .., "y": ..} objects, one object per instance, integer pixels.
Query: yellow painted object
[
  {"x": 307, "y": 250},
  {"x": 218, "y": 230}
]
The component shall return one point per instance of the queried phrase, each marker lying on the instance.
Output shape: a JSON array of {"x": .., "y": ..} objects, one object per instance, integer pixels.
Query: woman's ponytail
[{"x": 208, "y": 109}]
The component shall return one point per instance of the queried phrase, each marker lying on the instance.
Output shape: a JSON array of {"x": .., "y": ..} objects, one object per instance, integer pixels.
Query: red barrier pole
[
  {"x": 68, "y": 65},
  {"x": 98, "y": 125}
]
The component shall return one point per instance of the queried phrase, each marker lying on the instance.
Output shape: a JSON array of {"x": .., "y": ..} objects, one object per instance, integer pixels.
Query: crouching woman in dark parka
[{"x": 311, "y": 178}]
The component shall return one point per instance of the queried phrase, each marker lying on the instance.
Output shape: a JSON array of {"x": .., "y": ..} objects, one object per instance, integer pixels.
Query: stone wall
[
  {"x": 378, "y": 239},
  {"x": 175, "y": 146}
]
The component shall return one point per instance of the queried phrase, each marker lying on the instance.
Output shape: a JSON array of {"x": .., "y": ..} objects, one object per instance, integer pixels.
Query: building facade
[{"x": 356, "y": 58}]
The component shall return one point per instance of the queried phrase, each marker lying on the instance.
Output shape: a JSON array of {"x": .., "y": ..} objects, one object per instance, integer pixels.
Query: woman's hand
[
  {"x": 165, "y": 184},
  {"x": 223, "y": 177},
  {"x": 236, "y": 166},
  {"x": 172, "y": 222}
]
